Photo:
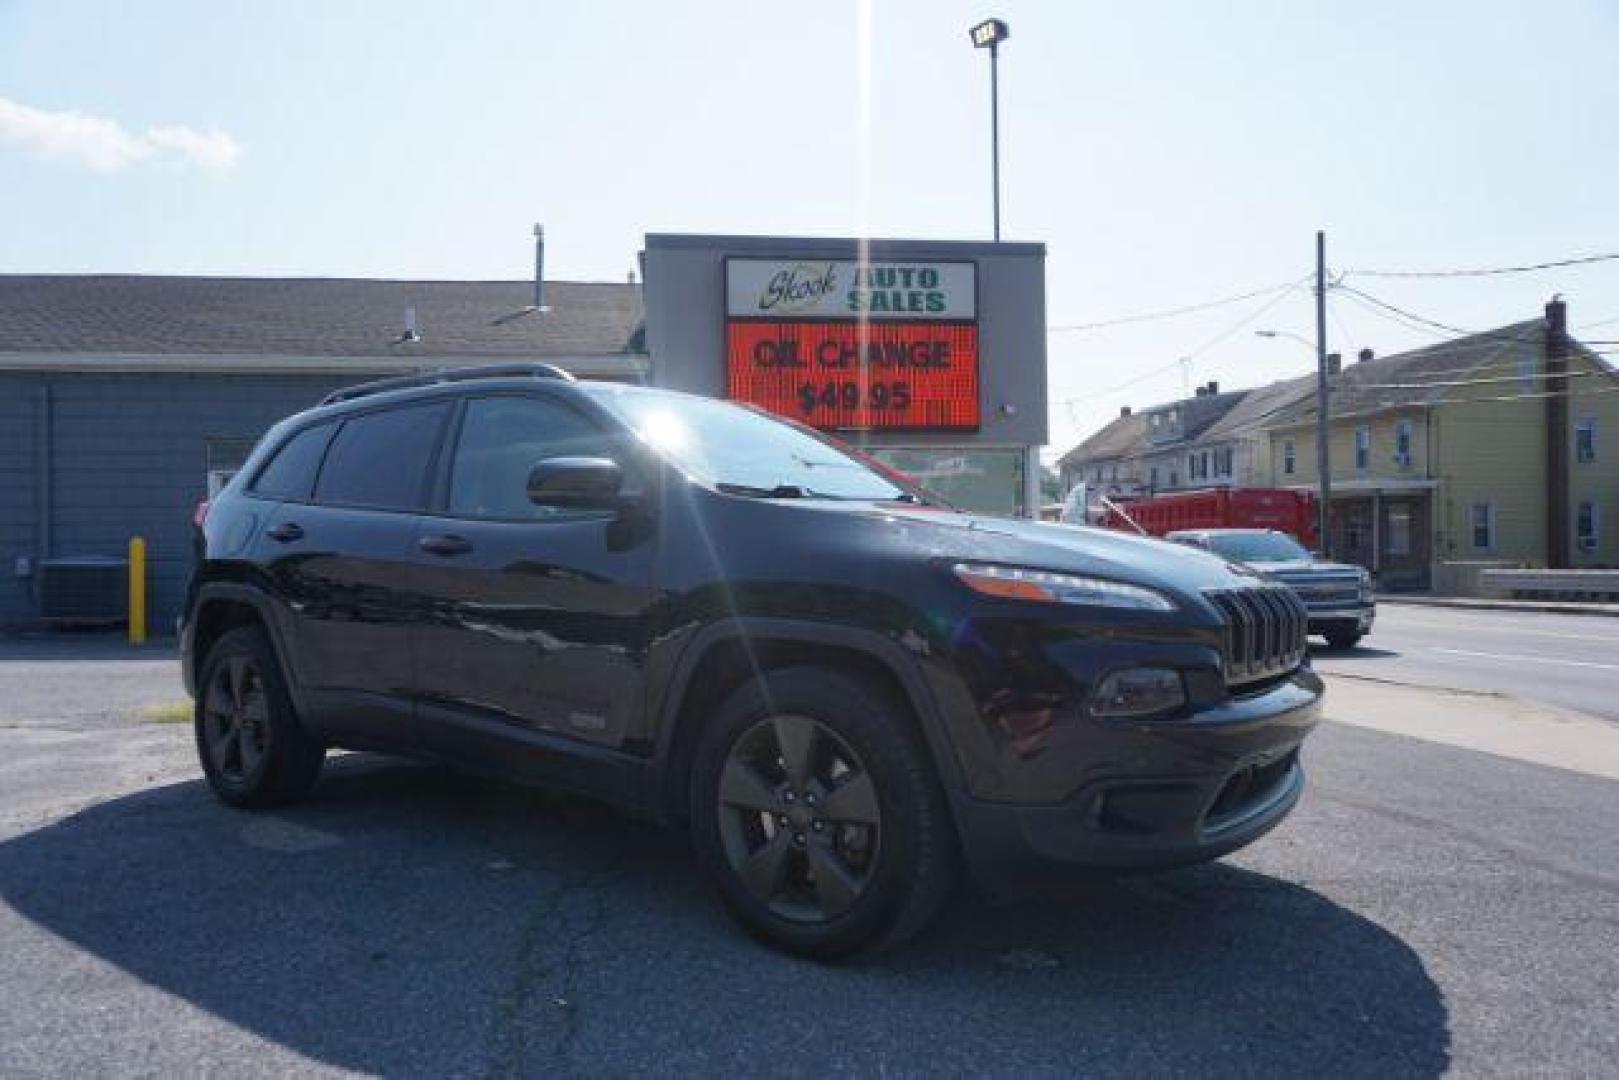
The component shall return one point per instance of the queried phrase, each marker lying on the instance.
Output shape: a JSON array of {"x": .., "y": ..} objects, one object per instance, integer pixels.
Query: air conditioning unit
[
  {"x": 1588, "y": 543},
  {"x": 86, "y": 589}
]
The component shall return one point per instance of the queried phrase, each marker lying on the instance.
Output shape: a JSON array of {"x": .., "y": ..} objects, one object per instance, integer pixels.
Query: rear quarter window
[{"x": 290, "y": 474}]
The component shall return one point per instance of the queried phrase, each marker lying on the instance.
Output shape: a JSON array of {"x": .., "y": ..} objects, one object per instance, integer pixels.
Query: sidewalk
[
  {"x": 1465, "y": 603},
  {"x": 1489, "y": 722}
]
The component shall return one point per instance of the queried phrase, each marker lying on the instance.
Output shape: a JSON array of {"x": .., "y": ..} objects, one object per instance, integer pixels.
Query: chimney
[
  {"x": 1200, "y": 391},
  {"x": 1335, "y": 363},
  {"x": 1124, "y": 410},
  {"x": 1365, "y": 355},
  {"x": 539, "y": 268},
  {"x": 629, "y": 278},
  {"x": 1214, "y": 387},
  {"x": 1557, "y": 478}
]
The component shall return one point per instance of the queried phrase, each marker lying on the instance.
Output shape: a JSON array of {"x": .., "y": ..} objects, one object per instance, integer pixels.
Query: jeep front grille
[{"x": 1265, "y": 630}]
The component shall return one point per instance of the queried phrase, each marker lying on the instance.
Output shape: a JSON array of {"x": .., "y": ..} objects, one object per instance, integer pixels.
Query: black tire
[
  {"x": 253, "y": 750},
  {"x": 901, "y": 868},
  {"x": 1344, "y": 639}
]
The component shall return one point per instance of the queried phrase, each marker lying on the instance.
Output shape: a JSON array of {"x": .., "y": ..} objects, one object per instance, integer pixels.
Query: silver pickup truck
[{"x": 1338, "y": 596}]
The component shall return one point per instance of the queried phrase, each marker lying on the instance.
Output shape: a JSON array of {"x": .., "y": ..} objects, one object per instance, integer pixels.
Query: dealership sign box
[{"x": 847, "y": 345}]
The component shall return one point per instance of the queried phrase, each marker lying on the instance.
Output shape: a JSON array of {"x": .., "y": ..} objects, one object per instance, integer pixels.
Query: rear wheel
[
  {"x": 253, "y": 750},
  {"x": 815, "y": 810}
]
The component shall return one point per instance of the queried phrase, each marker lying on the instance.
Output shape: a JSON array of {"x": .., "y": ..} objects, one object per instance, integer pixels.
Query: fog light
[{"x": 1138, "y": 692}]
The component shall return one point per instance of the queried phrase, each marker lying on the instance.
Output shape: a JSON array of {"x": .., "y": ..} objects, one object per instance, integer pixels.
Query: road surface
[
  {"x": 1429, "y": 908},
  {"x": 1567, "y": 660}
]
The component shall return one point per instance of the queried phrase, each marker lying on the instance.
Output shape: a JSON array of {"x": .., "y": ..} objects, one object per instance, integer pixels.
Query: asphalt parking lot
[{"x": 1429, "y": 908}]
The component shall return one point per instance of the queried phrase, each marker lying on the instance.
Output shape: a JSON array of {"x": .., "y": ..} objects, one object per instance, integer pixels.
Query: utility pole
[
  {"x": 1323, "y": 466},
  {"x": 1557, "y": 386}
]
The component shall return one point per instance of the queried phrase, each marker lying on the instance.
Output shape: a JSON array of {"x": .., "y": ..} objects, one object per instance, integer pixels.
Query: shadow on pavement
[
  {"x": 412, "y": 921},
  {"x": 1358, "y": 652}
]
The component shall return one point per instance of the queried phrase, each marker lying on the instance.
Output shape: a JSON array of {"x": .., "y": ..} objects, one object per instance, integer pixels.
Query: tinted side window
[
  {"x": 291, "y": 472},
  {"x": 501, "y": 439},
  {"x": 380, "y": 459}
]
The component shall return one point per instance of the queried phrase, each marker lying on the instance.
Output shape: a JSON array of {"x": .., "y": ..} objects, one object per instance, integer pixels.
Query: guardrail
[{"x": 1600, "y": 585}]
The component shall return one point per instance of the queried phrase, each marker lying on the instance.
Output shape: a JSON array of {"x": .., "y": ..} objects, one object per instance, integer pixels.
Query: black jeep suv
[{"x": 843, "y": 689}]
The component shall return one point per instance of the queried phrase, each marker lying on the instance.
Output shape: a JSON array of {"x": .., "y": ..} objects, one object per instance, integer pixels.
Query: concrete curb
[{"x": 1469, "y": 603}]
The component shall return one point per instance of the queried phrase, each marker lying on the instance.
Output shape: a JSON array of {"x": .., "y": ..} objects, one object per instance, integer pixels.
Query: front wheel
[
  {"x": 253, "y": 749},
  {"x": 1344, "y": 639},
  {"x": 815, "y": 811}
]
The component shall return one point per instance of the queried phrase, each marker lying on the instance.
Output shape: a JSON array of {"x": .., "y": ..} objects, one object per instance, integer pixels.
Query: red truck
[{"x": 1292, "y": 512}]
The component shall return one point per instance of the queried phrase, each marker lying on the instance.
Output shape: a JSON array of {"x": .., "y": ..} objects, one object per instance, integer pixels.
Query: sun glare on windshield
[{"x": 664, "y": 430}]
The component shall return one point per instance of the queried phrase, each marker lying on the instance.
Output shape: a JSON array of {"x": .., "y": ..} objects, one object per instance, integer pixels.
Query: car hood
[
  {"x": 1079, "y": 549},
  {"x": 1290, "y": 567}
]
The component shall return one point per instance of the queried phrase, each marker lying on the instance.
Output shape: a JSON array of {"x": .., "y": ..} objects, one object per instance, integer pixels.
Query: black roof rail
[{"x": 448, "y": 375}]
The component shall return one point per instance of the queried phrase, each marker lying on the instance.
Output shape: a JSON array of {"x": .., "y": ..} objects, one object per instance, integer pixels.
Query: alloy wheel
[
  {"x": 236, "y": 719},
  {"x": 799, "y": 818}
]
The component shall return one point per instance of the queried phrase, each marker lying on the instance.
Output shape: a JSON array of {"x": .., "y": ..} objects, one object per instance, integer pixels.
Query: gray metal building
[
  {"x": 126, "y": 400},
  {"x": 122, "y": 398}
]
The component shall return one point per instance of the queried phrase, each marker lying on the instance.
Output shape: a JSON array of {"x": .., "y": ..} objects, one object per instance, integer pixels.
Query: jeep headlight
[
  {"x": 1138, "y": 693},
  {"x": 1049, "y": 587}
]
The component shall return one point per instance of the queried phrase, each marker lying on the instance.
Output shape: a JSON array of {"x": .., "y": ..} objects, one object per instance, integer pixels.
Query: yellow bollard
[{"x": 137, "y": 591}]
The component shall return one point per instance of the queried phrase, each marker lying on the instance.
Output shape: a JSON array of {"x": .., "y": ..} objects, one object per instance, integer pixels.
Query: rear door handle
[
  {"x": 286, "y": 533},
  {"x": 445, "y": 545}
]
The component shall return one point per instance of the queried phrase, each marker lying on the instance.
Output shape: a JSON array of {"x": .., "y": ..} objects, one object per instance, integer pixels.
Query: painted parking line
[{"x": 1527, "y": 659}]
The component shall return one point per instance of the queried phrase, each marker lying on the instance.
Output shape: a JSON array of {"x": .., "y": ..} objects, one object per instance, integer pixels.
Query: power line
[
  {"x": 1482, "y": 380},
  {"x": 1170, "y": 313},
  {"x": 1230, "y": 331},
  {"x": 1491, "y": 271},
  {"x": 1199, "y": 350},
  {"x": 1413, "y": 316}
]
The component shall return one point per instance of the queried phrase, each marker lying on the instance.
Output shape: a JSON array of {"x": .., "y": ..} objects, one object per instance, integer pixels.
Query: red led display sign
[{"x": 853, "y": 377}]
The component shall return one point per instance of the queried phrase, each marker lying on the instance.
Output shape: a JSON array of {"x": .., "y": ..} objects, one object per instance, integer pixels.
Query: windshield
[
  {"x": 1257, "y": 547},
  {"x": 744, "y": 452}
]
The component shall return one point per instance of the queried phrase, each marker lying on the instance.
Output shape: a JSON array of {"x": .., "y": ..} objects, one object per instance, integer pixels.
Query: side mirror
[{"x": 576, "y": 482}]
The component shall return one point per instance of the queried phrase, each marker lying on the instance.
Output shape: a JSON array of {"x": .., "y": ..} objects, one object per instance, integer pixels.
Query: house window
[
  {"x": 1289, "y": 458},
  {"x": 1227, "y": 456},
  {"x": 1482, "y": 520},
  {"x": 1402, "y": 444},
  {"x": 224, "y": 455},
  {"x": 1152, "y": 480},
  {"x": 1587, "y": 526},
  {"x": 1174, "y": 478},
  {"x": 1191, "y": 466},
  {"x": 1585, "y": 441},
  {"x": 1363, "y": 447}
]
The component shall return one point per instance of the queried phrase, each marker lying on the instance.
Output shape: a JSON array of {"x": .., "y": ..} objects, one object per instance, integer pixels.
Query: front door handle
[
  {"x": 445, "y": 545},
  {"x": 286, "y": 532}
]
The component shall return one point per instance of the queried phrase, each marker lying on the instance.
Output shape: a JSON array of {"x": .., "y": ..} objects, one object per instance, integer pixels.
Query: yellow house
[{"x": 1439, "y": 458}]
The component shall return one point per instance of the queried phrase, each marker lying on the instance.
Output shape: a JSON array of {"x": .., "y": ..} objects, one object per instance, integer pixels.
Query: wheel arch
[
  {"x": 223, "y": 606},
  {"x": 726, "y": 654}
]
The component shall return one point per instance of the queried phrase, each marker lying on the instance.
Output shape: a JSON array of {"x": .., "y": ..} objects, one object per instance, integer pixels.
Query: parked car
[
  {"x": 725, "y": 621},
  {"x": 1337, "y": 595}
]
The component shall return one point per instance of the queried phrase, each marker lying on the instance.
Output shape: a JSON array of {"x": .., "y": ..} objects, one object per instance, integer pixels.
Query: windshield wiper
[{"x": 780, "y": 491}]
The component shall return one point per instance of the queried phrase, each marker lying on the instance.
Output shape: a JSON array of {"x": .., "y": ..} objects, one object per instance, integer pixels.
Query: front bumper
[
  {"x": 1214, "y": 782},
  {"x": 1359, "y": 616}
]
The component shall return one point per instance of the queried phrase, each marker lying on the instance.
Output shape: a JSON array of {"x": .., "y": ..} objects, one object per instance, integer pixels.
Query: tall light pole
[{"x": 988, "y": 35}]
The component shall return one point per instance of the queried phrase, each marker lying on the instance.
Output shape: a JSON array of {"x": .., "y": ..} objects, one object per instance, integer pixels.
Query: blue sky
[{"x": 1166, "y": 153}]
